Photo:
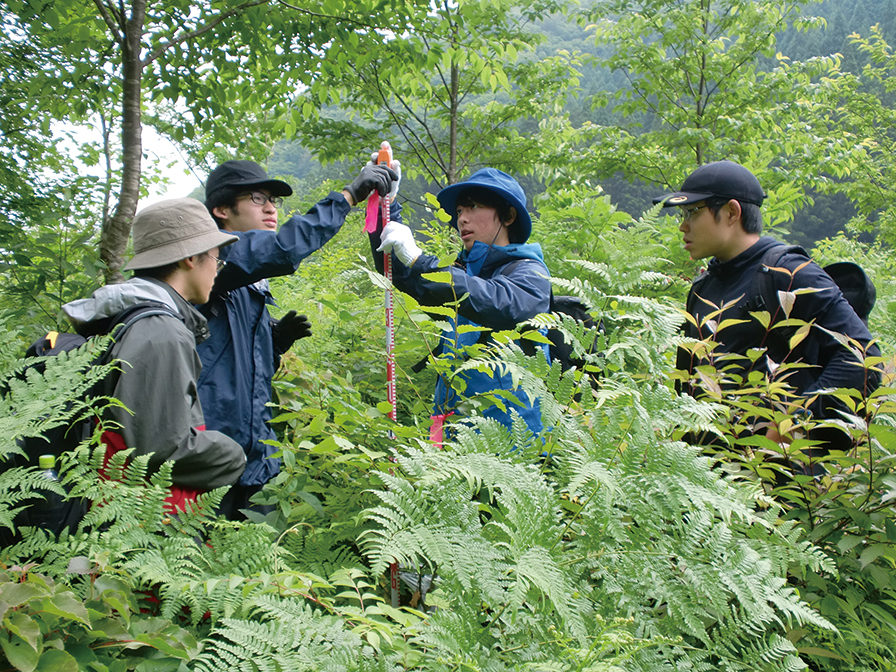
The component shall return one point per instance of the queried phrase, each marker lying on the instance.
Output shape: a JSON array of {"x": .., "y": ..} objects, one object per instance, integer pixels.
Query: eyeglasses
[
  {"x": 219, "y": 263},
  {"x": 260, "y": 198},
  {"x": 688, "y": 213}
]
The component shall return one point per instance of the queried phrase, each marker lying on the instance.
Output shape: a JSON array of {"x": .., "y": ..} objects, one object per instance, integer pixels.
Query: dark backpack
[
  {"x": 560, "y": 350},
  {"x": 68, "y": 436},
  {"x": 66, "y": 514},
  {"x": 851, "y": 278}
]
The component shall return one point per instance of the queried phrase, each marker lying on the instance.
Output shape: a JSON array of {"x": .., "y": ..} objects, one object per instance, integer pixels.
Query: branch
[
  {"x": 318, "y": 15},
  {"x": 110, "y": 21},
  {"x": 189, "y": 35}
]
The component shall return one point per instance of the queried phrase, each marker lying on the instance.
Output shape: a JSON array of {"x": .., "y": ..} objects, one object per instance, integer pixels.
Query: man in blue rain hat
[{"x": 501, "y": 279}]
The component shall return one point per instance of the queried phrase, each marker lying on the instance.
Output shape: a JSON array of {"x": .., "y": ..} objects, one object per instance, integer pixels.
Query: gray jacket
[{"x": 158, "y": 382}]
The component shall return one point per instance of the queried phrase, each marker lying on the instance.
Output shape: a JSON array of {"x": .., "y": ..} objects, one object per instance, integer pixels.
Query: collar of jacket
[
  {"x": 483, "y": 260},
  {"x": 742, "y": 262},
  {"x": 193, "y": 319}
]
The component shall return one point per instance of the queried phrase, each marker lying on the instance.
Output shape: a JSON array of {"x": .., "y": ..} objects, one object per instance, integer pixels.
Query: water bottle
[{"x": 50, "y": 512}]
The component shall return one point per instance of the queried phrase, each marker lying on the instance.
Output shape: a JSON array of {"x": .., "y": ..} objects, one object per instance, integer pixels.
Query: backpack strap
[
  {"x": 764, "y": 290},
  {"x": 119, "y": 324},
  {"x": 691, "y": 300}
]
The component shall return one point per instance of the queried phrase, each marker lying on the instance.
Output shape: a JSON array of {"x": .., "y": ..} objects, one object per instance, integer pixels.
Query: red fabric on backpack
[{"x": 178, "y": 496}]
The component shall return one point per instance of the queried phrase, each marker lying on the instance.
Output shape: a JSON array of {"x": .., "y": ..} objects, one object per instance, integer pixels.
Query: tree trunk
[{"x": 114, "y": 238}]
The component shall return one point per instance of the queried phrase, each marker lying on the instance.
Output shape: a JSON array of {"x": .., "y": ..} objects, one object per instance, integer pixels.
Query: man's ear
[
  {"x": 733, "y": 211},
  {"x": 511, "y": 216},
  {"x": 187, "y": 264},
  {"x": 220, "y": 212}
]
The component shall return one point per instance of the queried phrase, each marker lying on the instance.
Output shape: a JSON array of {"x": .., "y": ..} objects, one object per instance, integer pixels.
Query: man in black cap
[
  {"x": 244, "y": 350},
  {"x": 721, "y": 219}
]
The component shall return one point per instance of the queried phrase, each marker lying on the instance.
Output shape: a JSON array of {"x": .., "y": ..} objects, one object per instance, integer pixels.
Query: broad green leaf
[{"x": 66, "y": 605}]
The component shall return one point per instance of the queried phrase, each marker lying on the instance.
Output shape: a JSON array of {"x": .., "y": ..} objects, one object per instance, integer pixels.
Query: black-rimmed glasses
[{"x": 260, "y": 198}]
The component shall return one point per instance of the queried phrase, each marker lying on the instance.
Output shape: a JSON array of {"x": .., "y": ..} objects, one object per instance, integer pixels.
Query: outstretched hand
[
  {"x": 396, "y": 168},
  {"x": 377, "y": 178},
  {"x": 288, "y": 329}
]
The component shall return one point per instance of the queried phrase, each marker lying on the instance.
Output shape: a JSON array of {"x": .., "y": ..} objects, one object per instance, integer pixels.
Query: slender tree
[
  {"x": 868, "y": 116},
  {"x": 705, "y": 82},
  {"x": 224, "y": 74},
  {"x": 466, "y": 87}
]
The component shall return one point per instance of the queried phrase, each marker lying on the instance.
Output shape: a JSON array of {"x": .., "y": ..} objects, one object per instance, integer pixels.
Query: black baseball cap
[
  {"x": 243, "y": 174},
  {"x": 721, "y": 179}
]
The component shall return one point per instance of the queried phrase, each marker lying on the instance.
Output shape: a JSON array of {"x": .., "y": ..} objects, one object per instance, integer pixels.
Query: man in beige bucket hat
[{"x": 176, "y": 245}]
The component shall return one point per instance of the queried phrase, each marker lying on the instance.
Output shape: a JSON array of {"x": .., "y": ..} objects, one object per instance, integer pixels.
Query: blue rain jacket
[
  {"x": 239, "y": 359},
  {"x": 494, "y": 300}
]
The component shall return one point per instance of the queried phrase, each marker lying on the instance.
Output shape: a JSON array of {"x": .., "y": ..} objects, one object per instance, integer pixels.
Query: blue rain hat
[{"x": 500, "y": 183}]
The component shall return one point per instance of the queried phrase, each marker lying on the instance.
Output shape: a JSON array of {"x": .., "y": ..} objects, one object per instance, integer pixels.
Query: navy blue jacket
[
  {"x": 493, "y": 299},
  {"x": 239, "y": 360},
  {"x": 832, "y": 365}
]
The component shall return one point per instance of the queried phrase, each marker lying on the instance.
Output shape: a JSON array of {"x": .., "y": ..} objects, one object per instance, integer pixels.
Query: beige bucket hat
[{"x": 172, "y": 230}]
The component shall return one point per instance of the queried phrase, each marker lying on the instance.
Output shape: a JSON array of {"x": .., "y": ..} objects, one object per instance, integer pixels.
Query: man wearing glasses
[
  {"x": 721, "y": 220},
  {"x": 176, "y": 257},
  {"x": 240, "y": 358}
]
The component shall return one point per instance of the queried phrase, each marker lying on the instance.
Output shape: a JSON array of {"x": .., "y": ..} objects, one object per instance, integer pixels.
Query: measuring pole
[
  {"x": 382, "y": 206},
  {"x": 385, "y": 157}
]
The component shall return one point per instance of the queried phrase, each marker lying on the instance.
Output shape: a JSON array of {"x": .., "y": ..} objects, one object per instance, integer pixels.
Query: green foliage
[
  {"x": 450, "y": 96},
  {"x": 867, "y": 114},
  {"x": 841, "y": 497},
  {"x": 705, "y": 82},
  {"x": 602, "y": 544},
  {"x": 52, "y": 261},
  {"x": 578, "y": 222},
  {"x": 49, "y": 626},
  {"x": 33, "y": 404}
]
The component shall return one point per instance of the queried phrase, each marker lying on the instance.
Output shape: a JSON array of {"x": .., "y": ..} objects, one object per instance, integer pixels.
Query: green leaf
[
  {"x": 19, "y": 653},
  {"x": 312, "y": 501},
  {"x": 14, "y": 595},
  {"x": 437, "y": 276},
  {"x": 55, "y": 660},
  {"x": 66, "y": 605},
  {"x": 872, "y": 553},
  {"x": 22, "y": 625}
]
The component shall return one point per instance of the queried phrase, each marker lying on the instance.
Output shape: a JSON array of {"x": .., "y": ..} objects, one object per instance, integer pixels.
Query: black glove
[
  {"x": 372, "y": 178},
  {"x": 288, "y": 329}
]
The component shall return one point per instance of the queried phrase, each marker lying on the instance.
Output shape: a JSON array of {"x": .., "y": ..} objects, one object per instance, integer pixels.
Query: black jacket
[{"x": 832, "y": 364}]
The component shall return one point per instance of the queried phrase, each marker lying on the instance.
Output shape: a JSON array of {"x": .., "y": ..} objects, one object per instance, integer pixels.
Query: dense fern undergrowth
[{"x": 607, "y": 543}]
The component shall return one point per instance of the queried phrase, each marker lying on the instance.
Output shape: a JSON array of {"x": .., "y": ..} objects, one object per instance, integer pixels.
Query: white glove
[{"x": 398, "y": 238}]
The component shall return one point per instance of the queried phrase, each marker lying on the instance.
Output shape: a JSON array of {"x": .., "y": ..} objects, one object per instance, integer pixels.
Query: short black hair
[
  {"x": 222, "y": 198},
  {"x": 488, "y": 198},
  {"x": 164, "y": 271},
  {"x": 750, "y": 213}
]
